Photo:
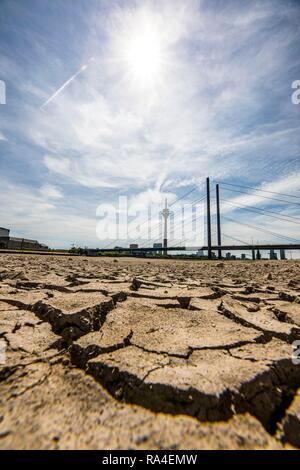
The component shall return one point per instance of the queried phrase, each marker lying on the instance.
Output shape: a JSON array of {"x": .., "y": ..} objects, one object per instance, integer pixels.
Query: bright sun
[
  {"x": 143, "y": 57},
  {"x": 140, "y": 49}
]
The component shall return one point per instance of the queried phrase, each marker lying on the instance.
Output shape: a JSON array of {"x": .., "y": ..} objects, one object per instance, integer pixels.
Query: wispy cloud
[
  {"x": 51, "y": 192},
  {"x": 216, "y": 101},
  {"x": 290, "y": 184}
]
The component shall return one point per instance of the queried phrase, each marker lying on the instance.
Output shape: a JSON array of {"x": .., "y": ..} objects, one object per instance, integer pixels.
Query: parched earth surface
[{"x": 103, "y": 353}]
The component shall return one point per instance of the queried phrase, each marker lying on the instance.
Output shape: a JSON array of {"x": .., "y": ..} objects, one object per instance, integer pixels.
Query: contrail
[{"x": 67, "y": 83}]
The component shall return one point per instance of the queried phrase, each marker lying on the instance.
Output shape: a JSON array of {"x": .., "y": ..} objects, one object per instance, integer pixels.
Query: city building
[
  {"x": 133, "y": 246},
  {"x": 14, "y": 243},
  {"x": 273, "y": 254},
  {"x": 4, "y": 232},
  {"x": 243, "y": 256},
  {"x": 92, "y": 252},
  {"x": 282, "y": 254},
  {"x": 200, "y": 254},
  {"x": 230, "y": 256},
  {"x": 157, "y": 245}
]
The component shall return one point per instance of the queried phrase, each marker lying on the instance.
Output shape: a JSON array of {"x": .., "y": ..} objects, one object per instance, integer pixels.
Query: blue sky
[{"x": 145, "y": 99}]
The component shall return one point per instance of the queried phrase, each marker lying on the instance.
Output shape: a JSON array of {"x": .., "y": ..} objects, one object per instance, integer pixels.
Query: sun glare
[
  {"x": 140, "y": 53},
  {"x": 143, "y": 58}
]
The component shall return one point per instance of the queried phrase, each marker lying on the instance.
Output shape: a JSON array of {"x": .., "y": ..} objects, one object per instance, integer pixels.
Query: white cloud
[
  {"x": 28, "y": 214},
  {"x": 214, "y": 109},
  {"x": 152, "y": 197},
  {"x": 287, "y": 185},
  {"x": 51, "y": 192},
  {"x": 106, "y": 131}
]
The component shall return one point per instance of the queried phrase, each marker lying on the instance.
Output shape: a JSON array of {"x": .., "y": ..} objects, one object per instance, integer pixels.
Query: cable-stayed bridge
[{"x": 283, "y": 241}]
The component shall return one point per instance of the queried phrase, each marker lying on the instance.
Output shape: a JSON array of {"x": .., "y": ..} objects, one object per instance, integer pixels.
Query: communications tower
[{"x": 165, "y": 214}]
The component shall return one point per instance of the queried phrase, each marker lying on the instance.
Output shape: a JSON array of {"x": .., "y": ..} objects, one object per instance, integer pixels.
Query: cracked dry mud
[{"x": 125, "y": 353}]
